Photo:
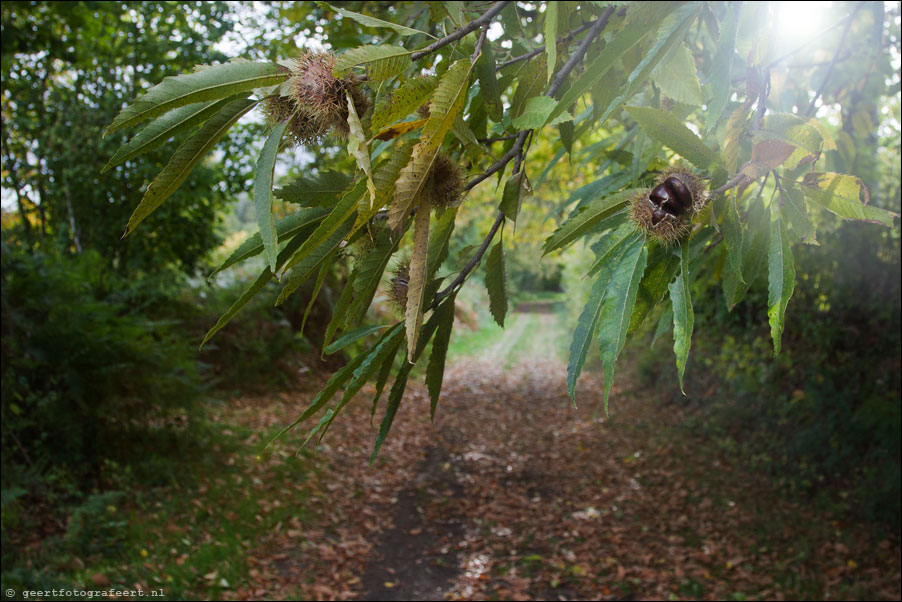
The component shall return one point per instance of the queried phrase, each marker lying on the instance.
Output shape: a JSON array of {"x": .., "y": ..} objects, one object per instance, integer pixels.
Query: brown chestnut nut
[{"x": 672, "y": 195}]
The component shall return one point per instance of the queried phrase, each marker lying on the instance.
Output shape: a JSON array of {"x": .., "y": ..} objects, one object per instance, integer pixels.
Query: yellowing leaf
[
  {"x": 398, "y": 129},
  {"x": 447, "y": 102},
  {"x": 413, "y": 314},
  {"x": 358, "y": 149}
]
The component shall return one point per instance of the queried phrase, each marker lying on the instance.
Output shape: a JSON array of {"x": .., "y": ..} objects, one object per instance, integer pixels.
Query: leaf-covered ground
[{"x": 513, "y": 494}]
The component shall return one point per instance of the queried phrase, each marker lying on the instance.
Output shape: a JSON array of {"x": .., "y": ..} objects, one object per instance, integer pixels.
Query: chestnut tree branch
[{"x": 461, "y": 32}]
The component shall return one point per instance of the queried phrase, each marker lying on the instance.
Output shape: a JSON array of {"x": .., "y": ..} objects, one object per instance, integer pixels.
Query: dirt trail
[{"x": 514, "y": 494}]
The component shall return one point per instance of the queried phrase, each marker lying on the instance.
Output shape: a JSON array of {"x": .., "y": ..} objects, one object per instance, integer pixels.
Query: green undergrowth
[{"x": 189, "y": 538}]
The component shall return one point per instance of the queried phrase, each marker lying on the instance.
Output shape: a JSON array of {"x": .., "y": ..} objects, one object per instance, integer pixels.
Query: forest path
[{"x": 513, "y": 494}]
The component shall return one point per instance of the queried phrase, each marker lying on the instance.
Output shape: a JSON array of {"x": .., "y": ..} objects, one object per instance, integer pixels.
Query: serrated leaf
[
  {"x": 551, "y": 25},
  {"x": 674, "y": 35},
  {"x": 372, "y": 362},
  {"x": 683, "y": 317},
  {"x": 380, "y": 62},
  {"x": 321, "y": 189},
  {"x": 447, "y": 101},
  {"x": 251, "y": 292},
  {"x": 488, "y": 83},
  {"x": 263, "y": 176},
  {"x": 618, "y": 308},
  {"x": 731, "y": 228},
  {"x": 536, "y": 111},
  {"x": 439, "y": 240},
  {"x": 358, "y": 149},
  {"x": 677, "y": 78},
  {"x": 512, "y": 196},
  {"x": 496, "y": 283},
  {"x": 397, "y": 390},
  {"x": 186, "y": 157},
  {"x": 781, "y": 277},
  {"x": 339, "y": 311},
  {"x": 646, "y": 17},
  {"x": 394, "y": 402},
  {"x": 338, "y": 218},
  {"x": 531, "y": 83},
  {"x": 304, "y": 264},
  {"x": 403, "y": 101},
  {"x": 374, "y": 22},
  {"x": 287, "y": 227},
  {"x": 664, "y": 127},
  {"x": 846, "y": 196},
  {"x": 334, "y": 383},
  {"x": 766, "y": 156},
  {"x": 754, "y": 253},
  {"x": 721, "y": 76},
  {"x": 791, "y": 129},
  {"x": 583, "y": 220},
  {"x": 209, "y": 83},
  {"x": 794, "y": 210},
  {"x": 662, "y": 266},
  {"x": 587, "y": 325},
  {"x": 413, "y": 313},
  {"x": 435, "y": 370},
  {"x": 353, "y": 337},
  {"x": 605, "y": 248},
  {"x": 384, "y": 179},
  {"x": 160, "y": 130},
  {"x": 382, "y": 378},
  {"x": 369, "y": 275}
]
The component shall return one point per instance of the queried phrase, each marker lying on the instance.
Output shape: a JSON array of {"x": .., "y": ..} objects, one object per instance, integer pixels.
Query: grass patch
[{"x": 189, "y": 540}]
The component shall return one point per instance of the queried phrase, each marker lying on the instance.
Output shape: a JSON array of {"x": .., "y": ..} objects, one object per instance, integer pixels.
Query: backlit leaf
[
  {"x": 617, "y": 308},
  {"x": 664, "y": 127},
  {"x": 683, "y": 318},
  {"x": 496, "y": 283},
  {"x": 781, "y": 277}
]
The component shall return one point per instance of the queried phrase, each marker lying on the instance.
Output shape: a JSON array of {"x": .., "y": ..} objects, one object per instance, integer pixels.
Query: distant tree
[
  {"x": 65, "y": 67},
  {"x": 712, "y": 146}
]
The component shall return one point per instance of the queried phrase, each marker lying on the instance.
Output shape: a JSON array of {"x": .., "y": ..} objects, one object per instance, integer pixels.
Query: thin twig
[
  {"x": 496, "y": 139},
  {"x": 763, "y": 93},
  {"x": 597, "y": 27},
  {"x": 474, "y": 261},
  {"x": 461, "y": 32},
  {"x": 842, "y": 41},
  {"x": 733, "y": 182},
  {"x": 534, "y": 53},
  {"x": 479, "y": 43},
  {"x": 500, "y": 163}
]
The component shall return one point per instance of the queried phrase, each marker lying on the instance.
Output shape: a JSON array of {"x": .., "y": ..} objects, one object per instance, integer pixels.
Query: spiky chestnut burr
[{"x": 666, "y": 211}]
